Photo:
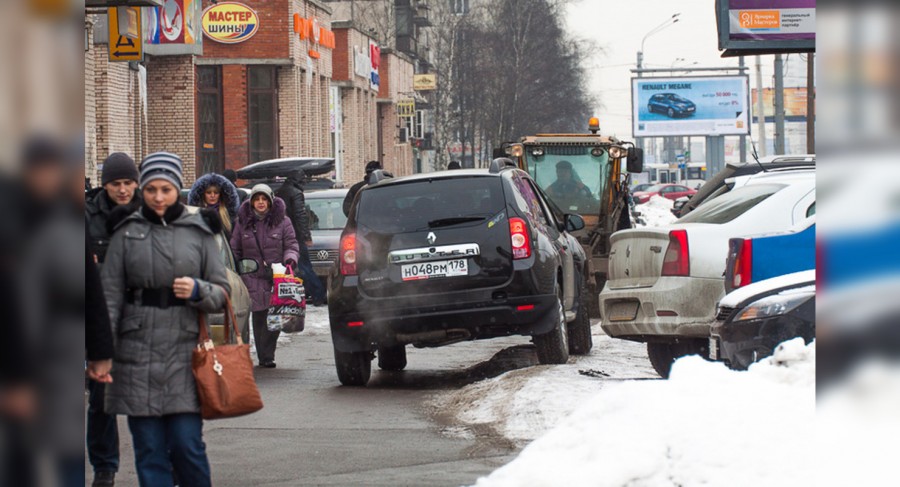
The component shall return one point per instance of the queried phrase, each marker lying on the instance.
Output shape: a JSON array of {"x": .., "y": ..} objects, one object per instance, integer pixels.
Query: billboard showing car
[{"x": 702, "y": 105}]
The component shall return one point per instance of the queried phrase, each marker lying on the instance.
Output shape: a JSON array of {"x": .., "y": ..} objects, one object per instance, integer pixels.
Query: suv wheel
[
  {"x": 392, "y": 358},
  {"x": 663, "y": 355},
  {"x": 354, "y": 368},
  {"x": 580, "y": 339},
  {"x": 553, "y": 347}
]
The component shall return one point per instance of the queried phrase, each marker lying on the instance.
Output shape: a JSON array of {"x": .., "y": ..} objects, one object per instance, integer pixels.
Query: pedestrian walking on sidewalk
[
  {"x": 265, "y": 234},
  {"x": 216, "y": 192},
  {"x": 161, "y": 270},
  {"x": 295, "y": 207}
]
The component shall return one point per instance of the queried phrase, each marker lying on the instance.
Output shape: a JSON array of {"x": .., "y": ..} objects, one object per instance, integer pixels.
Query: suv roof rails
[
  {"x": 500, "y": 164},
  {"x": 379, "y": 175}
]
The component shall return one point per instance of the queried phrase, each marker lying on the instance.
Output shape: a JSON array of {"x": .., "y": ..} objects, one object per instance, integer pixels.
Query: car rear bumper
[
  {"x": 672, "y": 307},
  {"x": 740, "y": 344},
  {"x": 433, "y": 320}
]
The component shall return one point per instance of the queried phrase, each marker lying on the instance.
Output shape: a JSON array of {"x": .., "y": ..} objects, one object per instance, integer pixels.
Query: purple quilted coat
[{"x": 277, "y": 244}]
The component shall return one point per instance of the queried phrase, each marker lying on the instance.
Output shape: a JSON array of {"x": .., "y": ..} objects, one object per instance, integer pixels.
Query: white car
[{"x": 664, "y": 282}]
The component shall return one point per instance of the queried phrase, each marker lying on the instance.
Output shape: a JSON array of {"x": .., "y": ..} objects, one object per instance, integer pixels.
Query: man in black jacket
[
  {"x": 119, "y": 182},
  {"x": 371, "y": 166},
  {"x": 292, "y": 194}
]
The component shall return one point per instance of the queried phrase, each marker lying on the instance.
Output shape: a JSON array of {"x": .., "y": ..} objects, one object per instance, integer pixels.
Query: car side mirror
[
  {"x": 635, "y": 160},
  {"x": 574, "y": 223},
  {"x": 247, "y": 266}
]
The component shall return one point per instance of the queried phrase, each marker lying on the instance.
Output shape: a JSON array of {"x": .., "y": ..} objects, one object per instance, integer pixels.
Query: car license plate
[
  {"x": 713, "y": 348},
  {"x": 430, "y": 270}
]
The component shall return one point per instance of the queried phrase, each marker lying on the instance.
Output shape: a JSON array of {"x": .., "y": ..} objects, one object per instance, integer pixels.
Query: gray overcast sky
[{"x": 617, "y": 27}]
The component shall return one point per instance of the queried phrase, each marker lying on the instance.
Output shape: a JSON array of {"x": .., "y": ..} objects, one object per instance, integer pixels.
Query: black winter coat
[
  {"x": 98, "y": 338},
  {"x": 292, "y": 194},
  {"x": 97, "y": 207},
  {"x": 351, "y": 195}
]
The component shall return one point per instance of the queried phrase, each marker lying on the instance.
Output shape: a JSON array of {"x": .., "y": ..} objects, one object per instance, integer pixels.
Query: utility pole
[
  {"x": 779, "y": 105},
  {"x": 811, "y": 103},
  {"x": 760, "y": 109}
]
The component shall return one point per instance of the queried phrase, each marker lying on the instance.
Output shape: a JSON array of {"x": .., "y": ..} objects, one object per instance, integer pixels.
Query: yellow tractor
[{"x": 585, "y": 174}]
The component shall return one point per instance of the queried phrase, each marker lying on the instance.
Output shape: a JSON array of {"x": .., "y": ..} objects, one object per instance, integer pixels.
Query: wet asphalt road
[{"x": 312, "y": 431}]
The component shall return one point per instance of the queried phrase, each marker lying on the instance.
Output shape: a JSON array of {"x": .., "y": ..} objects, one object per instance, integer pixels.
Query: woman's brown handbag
[{"x": 224, "y": 374}]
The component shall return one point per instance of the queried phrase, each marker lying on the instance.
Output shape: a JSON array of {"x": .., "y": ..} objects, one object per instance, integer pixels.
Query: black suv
[{"x": 435, "y": 259}]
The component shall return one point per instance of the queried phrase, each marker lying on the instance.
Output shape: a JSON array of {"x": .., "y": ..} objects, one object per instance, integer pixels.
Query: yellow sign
[
  {"x": 424, "y": 82},
  {"x": 122, "y": 47},
  {"x": 230, "y": 22},
  {"x": 406, "y": 108}
]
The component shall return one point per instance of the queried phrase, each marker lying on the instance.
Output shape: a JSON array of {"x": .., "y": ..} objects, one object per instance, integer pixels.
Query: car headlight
[{"x": 775, "y": 305}]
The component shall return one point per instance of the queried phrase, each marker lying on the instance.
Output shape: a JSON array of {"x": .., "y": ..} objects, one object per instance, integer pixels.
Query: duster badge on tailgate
[{"x": 434, "y": 253}]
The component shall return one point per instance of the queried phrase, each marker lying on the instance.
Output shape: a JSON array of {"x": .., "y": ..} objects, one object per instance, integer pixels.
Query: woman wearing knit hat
[
  {"x": 161, "y": 270},
  {"x": 265, "y": 234},
  {"x": 216, "y": 192}
]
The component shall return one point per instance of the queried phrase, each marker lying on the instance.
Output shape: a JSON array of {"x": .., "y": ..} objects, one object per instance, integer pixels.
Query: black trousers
[{"x": 265, "y": 340}]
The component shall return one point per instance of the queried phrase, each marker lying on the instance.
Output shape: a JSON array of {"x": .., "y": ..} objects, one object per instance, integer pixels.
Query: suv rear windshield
[
  {"x": 731, "y": 205},
  {"x": 412, "y": 206}
]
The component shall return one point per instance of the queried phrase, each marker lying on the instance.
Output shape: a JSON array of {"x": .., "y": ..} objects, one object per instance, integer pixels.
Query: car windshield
[
  {"x": 570, "y": 176},
  {"x": 326, "y": 213},
  {"x": 678, "y": 98},
  {"x": 430, "y": 203},
  {"x": 729, "y": 206}
]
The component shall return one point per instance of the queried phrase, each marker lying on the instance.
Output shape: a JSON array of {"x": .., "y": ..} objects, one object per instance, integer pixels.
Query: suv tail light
[
  {"x": 743, "y": 263},
  {"x": 348, "y": 254},
  {"x": 518, "y": 235},
  {"x": 677, "y": 261}
]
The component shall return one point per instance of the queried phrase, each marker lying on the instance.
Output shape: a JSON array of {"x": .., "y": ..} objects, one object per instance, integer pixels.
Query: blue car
[
  {"x": 672, "y": 105},
  {"x": 754, "y": 259}
]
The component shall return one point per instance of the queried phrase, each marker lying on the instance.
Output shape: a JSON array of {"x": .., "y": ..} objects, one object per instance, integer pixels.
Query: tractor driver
[{"x": 568, "y": 190}]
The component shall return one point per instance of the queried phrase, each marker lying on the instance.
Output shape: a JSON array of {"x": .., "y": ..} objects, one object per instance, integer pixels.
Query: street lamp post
[{"x": 640, "y": 55}]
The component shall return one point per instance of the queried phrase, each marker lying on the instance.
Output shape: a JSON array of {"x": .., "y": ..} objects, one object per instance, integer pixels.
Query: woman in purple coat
[{"x": 265, "y": 234}]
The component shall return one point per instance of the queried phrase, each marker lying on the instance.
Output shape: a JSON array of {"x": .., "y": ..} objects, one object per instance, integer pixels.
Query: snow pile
[
  {"x": 859, "y": 426},
  {"x": 317, "y": 320},
  {"x": 523, "y": 404},
  {"x": 706, "y": 425},
  {"x": 657, "y": 212}
]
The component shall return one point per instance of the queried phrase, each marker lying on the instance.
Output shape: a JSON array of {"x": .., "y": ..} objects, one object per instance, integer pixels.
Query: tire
[
  {"x": 353, "y": 369},
  {"x": 580, "y": 339},
  {"x": 663, "y": 355},
  {"x": 392, "y": 358},
  {"x": 671, "y": 113},
  {"x": 553, "y": 347}
]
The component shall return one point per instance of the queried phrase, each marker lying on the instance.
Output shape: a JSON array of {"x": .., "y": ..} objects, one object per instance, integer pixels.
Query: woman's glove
[{"x": 290, "y": 263}]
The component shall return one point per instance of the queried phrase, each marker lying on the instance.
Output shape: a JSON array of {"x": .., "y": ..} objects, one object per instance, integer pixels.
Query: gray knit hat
[
  {"x": 162, "y": 165},
  {"x": 264, "y": 189}
]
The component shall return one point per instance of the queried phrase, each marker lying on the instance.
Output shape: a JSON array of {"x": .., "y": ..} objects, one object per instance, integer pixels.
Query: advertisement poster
[
  {"x": 176, "y": 23},
  {"x": 772, "y": 19},
  {"x": 794, "y": 104},
  {"x": 711, "y": 105}
]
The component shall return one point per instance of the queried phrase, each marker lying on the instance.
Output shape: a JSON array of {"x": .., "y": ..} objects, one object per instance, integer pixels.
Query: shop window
[
  {"x": 210, "y": 150},
  {"x": 262, "y": 104},
  {"x": 459, "y": 7}
]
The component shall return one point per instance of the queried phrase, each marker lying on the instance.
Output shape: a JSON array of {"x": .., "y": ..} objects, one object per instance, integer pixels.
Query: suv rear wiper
[{"x": 445, "y": 222}]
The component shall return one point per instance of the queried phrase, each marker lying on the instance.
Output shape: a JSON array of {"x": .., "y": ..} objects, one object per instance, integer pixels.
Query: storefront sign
[
  {"x": 123, "y": 47},
  {"x": 318, "y": 36},
  {"x": 406, "y": 108},
  {"x": 375, "y": 62},
  {"x": 230, "y": 22},
  {"x": 424, "y": 82},
  {"x": 362, "y": 65},
  {"x": 173, "y": 29}
]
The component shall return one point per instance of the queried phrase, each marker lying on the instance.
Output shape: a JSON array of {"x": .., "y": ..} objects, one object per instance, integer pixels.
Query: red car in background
[{"x": 670, "y": 191}]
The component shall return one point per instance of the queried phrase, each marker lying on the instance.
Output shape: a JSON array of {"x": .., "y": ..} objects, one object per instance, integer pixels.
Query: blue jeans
[
  {"x": 162, "y": 443},
  {"x": 311, "y": 281},
  {"x": 102, "y": 432}
]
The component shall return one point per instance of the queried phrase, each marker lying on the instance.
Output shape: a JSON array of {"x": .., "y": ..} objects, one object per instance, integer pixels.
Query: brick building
[{"x": 395, "y": 149}]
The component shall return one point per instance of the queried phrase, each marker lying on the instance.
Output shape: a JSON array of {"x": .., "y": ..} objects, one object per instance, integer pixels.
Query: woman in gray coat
[{"x": 162, "y": 269}]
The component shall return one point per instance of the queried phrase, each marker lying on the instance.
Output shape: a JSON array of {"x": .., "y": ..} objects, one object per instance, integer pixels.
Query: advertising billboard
[
  {"x": 700, "y": 105},
  {"x": 766, "y": 26},
  {"x": 794, "y": 104}
]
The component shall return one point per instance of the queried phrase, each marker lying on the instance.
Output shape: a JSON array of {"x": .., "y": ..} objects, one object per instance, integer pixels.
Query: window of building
[
  {"x": 210, "y": 137},
  {"x": 262, "y": 111},
  {"x": 459, "y": 7},
  {"x": 419, "y": 129}
]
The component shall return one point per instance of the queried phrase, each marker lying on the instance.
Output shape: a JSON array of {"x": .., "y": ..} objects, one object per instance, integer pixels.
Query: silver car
[{"x": 326, "y": 222}]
